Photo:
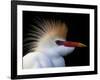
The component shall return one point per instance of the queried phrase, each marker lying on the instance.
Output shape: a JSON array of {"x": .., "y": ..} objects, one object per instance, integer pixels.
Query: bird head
[{"x": 50, "y": 36}]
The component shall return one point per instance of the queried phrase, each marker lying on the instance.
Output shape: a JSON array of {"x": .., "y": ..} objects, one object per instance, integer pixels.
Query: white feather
[{"x": 46, "y": 52}]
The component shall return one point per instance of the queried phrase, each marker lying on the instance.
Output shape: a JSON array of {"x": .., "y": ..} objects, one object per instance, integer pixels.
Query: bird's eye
[{"x": 58, "y": 42}]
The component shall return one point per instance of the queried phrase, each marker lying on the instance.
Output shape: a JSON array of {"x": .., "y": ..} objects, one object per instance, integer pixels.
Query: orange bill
[{"x": 70, "y": 43}]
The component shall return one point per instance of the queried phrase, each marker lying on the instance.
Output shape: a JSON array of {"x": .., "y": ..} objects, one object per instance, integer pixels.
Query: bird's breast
[{"x": 58, "y": 61}]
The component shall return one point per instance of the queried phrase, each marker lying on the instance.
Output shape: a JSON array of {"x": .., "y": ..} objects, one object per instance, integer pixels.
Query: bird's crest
[{"x": 44, "y": 32}]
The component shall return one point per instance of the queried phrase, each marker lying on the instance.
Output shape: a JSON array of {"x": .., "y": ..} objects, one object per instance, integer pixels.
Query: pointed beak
[
  {"x": 74, "y": 44},
  {"x": 71, "y": 44}
]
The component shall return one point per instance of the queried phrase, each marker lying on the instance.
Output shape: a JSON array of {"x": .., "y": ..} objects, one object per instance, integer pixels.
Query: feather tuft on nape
[{"x": 44, "y": 32}]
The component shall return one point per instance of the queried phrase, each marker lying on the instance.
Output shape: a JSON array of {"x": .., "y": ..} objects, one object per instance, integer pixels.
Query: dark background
[{"x": 78, "y": 30}]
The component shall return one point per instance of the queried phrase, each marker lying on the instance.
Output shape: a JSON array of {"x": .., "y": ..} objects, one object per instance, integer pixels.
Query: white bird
[{"x": 50, "y": 45}]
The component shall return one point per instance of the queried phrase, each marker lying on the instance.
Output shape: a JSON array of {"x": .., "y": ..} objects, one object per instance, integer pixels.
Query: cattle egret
[{"x": 49, "y": 45}]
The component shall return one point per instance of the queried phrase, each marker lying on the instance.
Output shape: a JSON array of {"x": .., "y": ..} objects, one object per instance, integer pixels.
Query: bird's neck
[{"x": 50, "y": 53}]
